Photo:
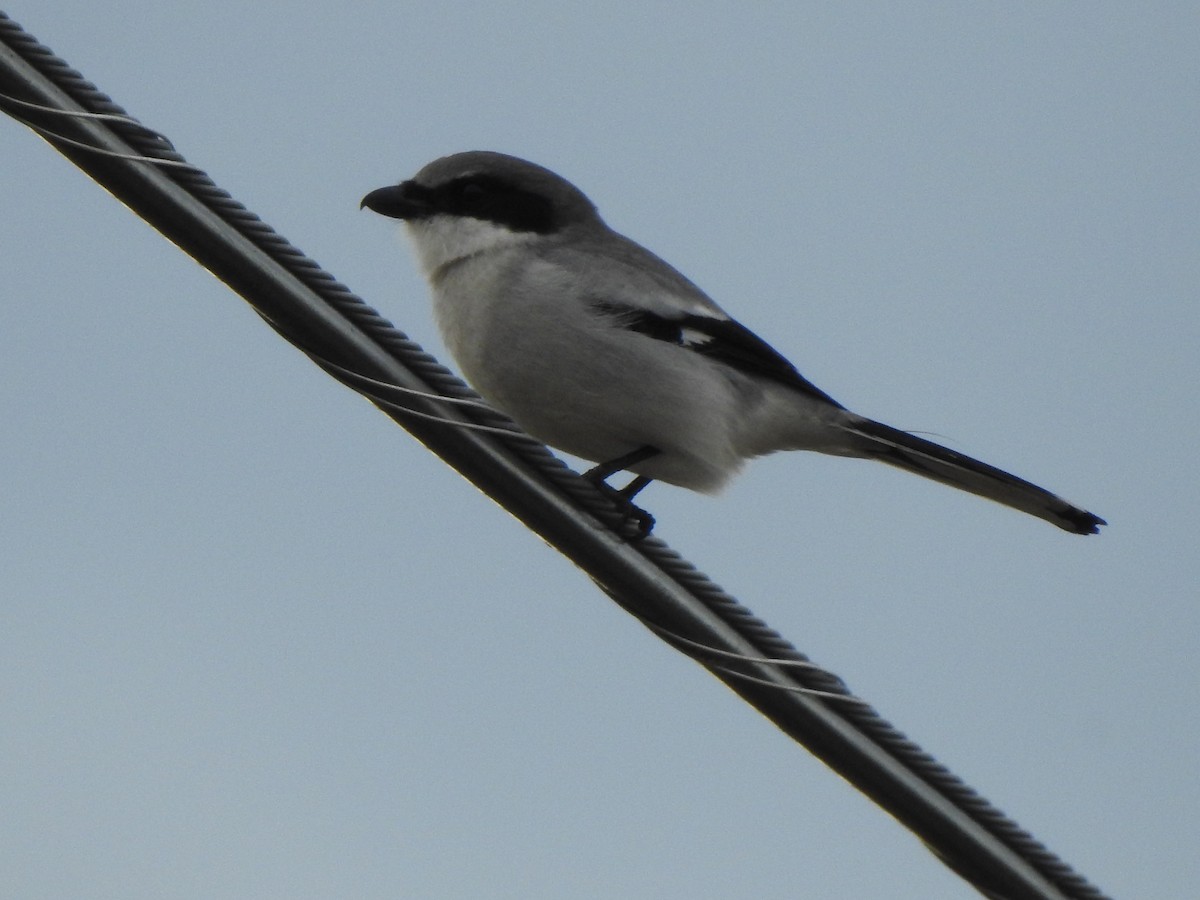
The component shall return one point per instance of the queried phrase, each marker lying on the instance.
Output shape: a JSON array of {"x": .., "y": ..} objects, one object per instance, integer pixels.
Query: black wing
[{"x": 721, "y": 339}]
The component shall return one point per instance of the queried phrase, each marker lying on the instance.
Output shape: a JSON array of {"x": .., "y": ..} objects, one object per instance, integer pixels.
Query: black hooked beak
[{"x": 406, "y": 200}]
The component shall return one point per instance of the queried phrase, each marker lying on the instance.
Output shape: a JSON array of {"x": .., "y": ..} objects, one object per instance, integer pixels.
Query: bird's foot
[{"x": 640, "y": 523}]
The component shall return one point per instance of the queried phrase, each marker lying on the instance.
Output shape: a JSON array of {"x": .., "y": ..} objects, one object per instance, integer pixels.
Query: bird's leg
[
  {"x": 597, "y": 474},
  {"x": 634, "y": 487},
  {"x": 623, "y": 497}
]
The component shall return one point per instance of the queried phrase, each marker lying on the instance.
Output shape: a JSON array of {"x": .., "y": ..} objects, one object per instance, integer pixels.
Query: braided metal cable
[{"x": 154, "y": 148}]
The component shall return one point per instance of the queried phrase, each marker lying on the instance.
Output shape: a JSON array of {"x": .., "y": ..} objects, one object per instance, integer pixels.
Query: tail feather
[{"x": 922, "y": 457}]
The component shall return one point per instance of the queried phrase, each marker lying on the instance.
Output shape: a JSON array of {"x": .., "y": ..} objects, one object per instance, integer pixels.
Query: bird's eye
[
  {"x": 471, "y": 190},
  {"x": 492, "y": 199}
]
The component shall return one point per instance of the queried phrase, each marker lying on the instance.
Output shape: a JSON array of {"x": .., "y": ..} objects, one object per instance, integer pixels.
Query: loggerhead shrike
[{"x": 598, "y": 347}]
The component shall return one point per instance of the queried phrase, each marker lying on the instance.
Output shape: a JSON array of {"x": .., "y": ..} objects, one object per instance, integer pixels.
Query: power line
[{"x": 355, "y": 345}]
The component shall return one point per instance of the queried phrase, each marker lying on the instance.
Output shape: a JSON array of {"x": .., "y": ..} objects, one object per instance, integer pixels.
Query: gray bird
[{"x": 596, "y": 346}]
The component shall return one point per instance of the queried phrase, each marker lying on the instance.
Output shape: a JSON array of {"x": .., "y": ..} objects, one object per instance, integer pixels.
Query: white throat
[{"x": 441, "y": 240}]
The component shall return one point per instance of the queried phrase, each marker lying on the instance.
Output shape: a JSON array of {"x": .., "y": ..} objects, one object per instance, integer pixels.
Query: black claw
[
  {"x": 644, "y": 522},
  {"x": 637, "y": 520}
]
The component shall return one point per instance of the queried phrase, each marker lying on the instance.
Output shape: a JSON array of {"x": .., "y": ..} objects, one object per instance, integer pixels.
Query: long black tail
[{"x": 914, "y": 454}]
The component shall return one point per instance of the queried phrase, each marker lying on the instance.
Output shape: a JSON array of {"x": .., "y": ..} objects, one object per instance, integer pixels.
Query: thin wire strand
[
  {"x": 116, "y": 118},
  {"x": 364, "y": 384},
  {"x": 740, "y": 657},
  {"x": 91, "y": 148},
  {"x": 440, "y": 420},
  {"x": 792, "y": 689},
  {"x": 702, "y": 653}
]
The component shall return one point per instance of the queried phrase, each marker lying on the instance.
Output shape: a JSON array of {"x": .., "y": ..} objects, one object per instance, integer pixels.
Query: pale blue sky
[{"x": 257, "y": 642}]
